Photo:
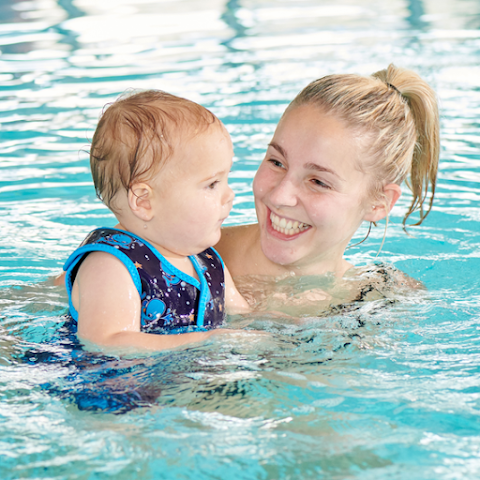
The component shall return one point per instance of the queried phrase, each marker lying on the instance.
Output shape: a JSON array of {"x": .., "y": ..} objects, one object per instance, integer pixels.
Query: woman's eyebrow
[{"x": 279, "y": 149}]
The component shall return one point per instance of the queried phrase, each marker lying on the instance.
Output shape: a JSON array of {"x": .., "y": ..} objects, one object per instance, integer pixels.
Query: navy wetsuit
[{"x": 172, "y": 301}]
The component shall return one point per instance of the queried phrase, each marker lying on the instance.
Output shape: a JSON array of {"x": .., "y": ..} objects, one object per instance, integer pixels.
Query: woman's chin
[
  {"x": 283, "y": 255},
  {"x": 280, "y": 248}
]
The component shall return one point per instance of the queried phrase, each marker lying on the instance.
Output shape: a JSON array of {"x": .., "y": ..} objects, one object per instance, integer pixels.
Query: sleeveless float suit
[{"x": 172, "y": 301}]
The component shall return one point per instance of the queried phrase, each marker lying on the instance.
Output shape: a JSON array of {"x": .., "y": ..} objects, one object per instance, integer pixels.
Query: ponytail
[{"x": 422, "y": 103}]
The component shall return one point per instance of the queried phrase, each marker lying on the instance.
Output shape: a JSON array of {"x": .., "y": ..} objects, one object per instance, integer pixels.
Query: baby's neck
[{"x": 184, "y": 264}]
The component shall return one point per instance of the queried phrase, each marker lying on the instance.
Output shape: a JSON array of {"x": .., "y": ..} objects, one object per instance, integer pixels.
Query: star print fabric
[{"x": 172, "y": 301}]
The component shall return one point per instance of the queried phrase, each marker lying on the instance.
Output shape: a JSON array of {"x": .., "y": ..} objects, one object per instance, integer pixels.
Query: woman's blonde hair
[{"x": 398, "y": 113}]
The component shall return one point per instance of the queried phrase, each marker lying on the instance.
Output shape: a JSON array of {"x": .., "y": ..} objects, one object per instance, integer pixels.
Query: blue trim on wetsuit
[
  {"x": 78, "y": 256},
  {"x": 156, "y": 288}
]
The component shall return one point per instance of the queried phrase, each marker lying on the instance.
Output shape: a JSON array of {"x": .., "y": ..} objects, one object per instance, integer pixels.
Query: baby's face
[{"x": 191, "y": 196}]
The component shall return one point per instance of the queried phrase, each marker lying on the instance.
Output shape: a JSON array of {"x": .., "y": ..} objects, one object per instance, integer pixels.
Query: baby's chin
[
  {"x": 215, "y": 239},
  {"x": 212, "y": 241}
]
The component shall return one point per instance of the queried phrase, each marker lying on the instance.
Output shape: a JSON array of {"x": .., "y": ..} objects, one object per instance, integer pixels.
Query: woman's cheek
[{"x": 320, "y": 209}]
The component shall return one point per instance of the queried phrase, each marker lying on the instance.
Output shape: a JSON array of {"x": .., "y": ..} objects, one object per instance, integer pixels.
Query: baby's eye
[{"x": 213, "y": 185}]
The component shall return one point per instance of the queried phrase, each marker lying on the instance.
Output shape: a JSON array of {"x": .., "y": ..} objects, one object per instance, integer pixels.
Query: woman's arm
[{"x": 234, "y": 302}]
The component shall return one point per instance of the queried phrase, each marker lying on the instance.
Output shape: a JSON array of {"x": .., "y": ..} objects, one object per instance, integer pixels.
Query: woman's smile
[{"x": 286, "y": 226}]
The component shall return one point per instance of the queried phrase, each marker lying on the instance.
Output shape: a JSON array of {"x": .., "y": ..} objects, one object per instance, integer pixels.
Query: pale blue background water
[{"x": 395, "y": 398}]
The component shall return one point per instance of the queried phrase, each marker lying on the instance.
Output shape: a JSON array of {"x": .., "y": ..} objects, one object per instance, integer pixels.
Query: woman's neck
[
  {"x": 241, "y": 250},
  {"x": 321, "y": 265}
]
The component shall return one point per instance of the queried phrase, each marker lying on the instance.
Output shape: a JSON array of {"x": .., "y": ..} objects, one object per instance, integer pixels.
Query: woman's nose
[{"x": 284, "y": 194}]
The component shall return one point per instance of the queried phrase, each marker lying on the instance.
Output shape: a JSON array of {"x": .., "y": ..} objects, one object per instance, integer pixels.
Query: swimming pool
[{"x": 386, "y": 391}]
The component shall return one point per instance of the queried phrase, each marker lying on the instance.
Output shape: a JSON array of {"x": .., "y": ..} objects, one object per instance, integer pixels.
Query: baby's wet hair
[
  {"x": 395, "y": 112},
  {"x": 137, "y": 134}
]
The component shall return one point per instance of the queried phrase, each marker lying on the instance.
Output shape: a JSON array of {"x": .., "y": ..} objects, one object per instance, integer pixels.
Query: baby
[{"x": 160, "y": 163}]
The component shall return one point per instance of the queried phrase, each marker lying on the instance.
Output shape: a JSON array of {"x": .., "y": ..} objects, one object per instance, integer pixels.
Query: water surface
[{"x": 385, "y": 391}]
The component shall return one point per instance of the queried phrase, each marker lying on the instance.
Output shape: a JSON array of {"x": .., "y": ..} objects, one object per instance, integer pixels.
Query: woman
[{"x": 338, "y": 157}]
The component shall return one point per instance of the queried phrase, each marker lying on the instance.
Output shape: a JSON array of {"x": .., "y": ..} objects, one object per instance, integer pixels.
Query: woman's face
[{"x": 310, "y": 194}]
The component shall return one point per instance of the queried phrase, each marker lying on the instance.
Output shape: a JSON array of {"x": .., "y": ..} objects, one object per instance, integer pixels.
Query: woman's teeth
[{"x": 287, "y": 227}]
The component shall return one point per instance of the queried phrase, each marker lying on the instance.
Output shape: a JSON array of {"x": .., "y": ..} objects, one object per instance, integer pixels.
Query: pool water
[{"x": 387, "y": 390}]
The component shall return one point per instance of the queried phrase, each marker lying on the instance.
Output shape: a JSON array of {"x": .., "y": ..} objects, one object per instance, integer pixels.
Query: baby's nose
[{"x": 230, "y": 195}]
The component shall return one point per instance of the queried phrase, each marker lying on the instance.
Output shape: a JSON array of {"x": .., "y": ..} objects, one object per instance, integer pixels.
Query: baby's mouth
[{"x": 286, "y": 226}]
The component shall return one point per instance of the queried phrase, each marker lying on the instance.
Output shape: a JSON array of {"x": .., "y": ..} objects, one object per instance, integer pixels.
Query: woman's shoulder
[
  {"x": 237, "y": 232},
  {"x": 380, "y": 280},
  {"x": 327, "y": 294},
  {"x": 235, "y": 243}
]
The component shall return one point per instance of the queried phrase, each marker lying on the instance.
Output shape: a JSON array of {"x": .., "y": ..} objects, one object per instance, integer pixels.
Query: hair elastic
[{"x": 394, "y": 87}]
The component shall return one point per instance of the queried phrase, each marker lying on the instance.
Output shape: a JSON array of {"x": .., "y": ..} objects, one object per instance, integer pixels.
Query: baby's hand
[{"x": 231, "y": 331}]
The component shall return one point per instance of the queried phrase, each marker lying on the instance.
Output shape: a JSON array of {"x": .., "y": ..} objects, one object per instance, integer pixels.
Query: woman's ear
[
  {"x": 381, "y": 208},
  {"x": 140, "y": 201}
]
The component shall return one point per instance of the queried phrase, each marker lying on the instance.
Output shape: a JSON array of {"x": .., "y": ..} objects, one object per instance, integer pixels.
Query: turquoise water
[{"x": 386, "y": 391}]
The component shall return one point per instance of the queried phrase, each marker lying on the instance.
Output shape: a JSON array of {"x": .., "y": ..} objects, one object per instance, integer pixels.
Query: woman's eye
[
  {"x": 319, "y": 183},
  {"x": 276, "y": 163}
]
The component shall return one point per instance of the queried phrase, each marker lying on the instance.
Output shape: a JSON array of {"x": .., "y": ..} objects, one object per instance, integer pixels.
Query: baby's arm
[
  {"x": 234, "y": 302},
  {"x": 109, "y": 307}
]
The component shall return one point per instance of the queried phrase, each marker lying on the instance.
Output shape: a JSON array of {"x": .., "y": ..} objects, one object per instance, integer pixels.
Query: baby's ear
[
  {"x": 139, "y": 201},
  {"x": 381, "y": 208}
]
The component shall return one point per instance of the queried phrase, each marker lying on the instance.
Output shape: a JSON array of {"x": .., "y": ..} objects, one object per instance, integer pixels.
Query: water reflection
[
  {"x": 417, "y": 12},
  {"x": 231, "y": 18}
]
